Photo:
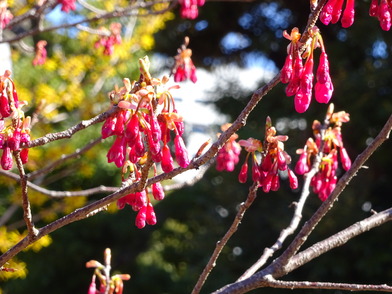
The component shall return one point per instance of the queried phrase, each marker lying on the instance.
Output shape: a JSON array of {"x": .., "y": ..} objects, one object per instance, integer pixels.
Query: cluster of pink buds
[
  {"x": 5, "y": 14},
  {"x": 14, "y": 126},
  {"x": 228, "y": 155},
  {"x": 299, "y": 78},
  {"x": 40, "y": 53},
  {"x": 190, "y": 8},
  {"x": 67, "y": 5},
  {"x": 382, "y": 9},
  {"x": 114, "y": 285},
  {"x": 109, "y": 38},
  {"x": 273, "y": 159},
  {"x": 184, "y": 68},
  {"x": 143, "y": 128},
  {"x": 332, "y": 11},
  {"x": 327, "y": 145}
]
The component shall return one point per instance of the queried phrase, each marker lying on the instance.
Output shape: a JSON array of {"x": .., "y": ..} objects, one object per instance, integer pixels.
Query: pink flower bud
[
  {"x": 302, "y": 167},
  {"x": 151, "y": 218},
  {"x": 337, "y": 11},
  {"x": 384, "y": 15},
  {"x": 306, "y": 84},
  {"x": 373, "y": 10},
  {"x": 132, "y": 129},
  {"x": 323, "y": 92},
  {"x": 93, "y": 287},
  {"x": 243, "y": 175},
  {"x": 282, "y": 165},
  {"x": 5, "y": 109},
  {"x": 155, "y": 128},
  {"x": 157, "y": 191},
  {"x": 167, "y": 160},
  {"x": 108, "y": 127},
  {"x": 287, "y": 70},
  {"x": 293, "y": 180},
  {"x": 116, "y": 153},
  {"x": 326, "y": 13},
  {"x": 345, "y": 159},
  {"x": 275, "y": 185},
  {"x": 267, "y": 182},
  {"x": 302, "y": 101},
  {"x": 14, "y": 141},
  {"x": 255, "y": 172},
  {"x": 348, "y": 14},
  {"x": 24, "y": 155},
  {"x": 266, "y": 164},
  {"x": 119, "y": 127},
  {"x": 181, "y": 152},
  {"x": 6, "y": 159},
  {"x": 141, "y": 216}
]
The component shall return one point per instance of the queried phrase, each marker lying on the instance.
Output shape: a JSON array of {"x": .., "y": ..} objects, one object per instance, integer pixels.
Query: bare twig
[
  {"x": 63, "y": 158},
  {"x": 222, "y": 243},
  {"x": 25, "y": 199}
]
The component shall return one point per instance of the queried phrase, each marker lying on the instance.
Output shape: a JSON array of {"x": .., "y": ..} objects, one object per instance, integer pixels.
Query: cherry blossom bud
[
  {"x": 5, "y": 109},
  {"x": 108, "y": 127},
  {"x": 287, "y": 69},
  {"x": 93, "y": 287},
  {"x": 167, "y": 160},
  {"x": 275, "y": 185},
  {"x": 6, "y": 159},
  {"x": 267, "y": 182},
  {"x": 141, "y": 216},
  {"x": 266, "y": 164},
  {"x": 302, "y": 167},
  {"x": 157, "y": 191},
  {"x": 132, "y": 128},
  {"x": 337, "y": 11},
  {"x": 255, "y": 172},
  {"x": 302, "y": 101},
  {"x": 384, "y": 15},
  {"x": 373, "y": 11},
  {"x": 348, "y": 14},
  {"x": 155, "y": 128},
  {"x": 151, "y": 218},
  {"x": 282, "y": 165},
  {"x": 119, "y": 127},
  {"x": 345, "y": 159},
  {"x": 181, "y": 152},
  {"x": 293, "y": 180},
  {"x": 243, "y": 175},
  {"x": 24, "y": 155},
  {"x": 326, "y": 13}
]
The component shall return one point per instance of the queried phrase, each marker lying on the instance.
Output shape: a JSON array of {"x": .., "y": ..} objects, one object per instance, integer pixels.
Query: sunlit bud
[
  {"x": 302, "y": 167},
  {"x": 5, "y": 109},
  {"x": 282, "y": 165},
  {"x": 345, "y": 159},
  {"x": 6, "y": 159},
  {"x": 155, "y": 128},
  {"x": 373, "y": 11},
  {"x": 348, "y": 14},
  {"x": 326, "y": 13},
  {"x": 132, "y": 128},
  {"x": 93, "y": 287},
  {"x": 119, "y": 127},
  {"x": 266, "y": 164},
  {"x": 243, "y": 175},
  {"x": 14, "y": 141},
  {"x": 337, "y": 11},
  {"x": 108, "y": 127},
  {"x": 167, "y": 160},
  {"x": 287, "y": 69},
  {"x": 151, "y": 218},
  {"x": 267, "y": 182},
  {"x": 307, "y": 77},
  {"x": 275, "y": 185},
  {"x": 141, "y": 216},
  {"x": 181, "y": 151},
  {"x": 255, "y": 172},
  {"x": 24, "y": 155},
  {"x": 157, "y": 191},
  {"x": 302, "y": 101},
  {"x": 293, "y": 180},
  {"x": 384, "y": 15}
]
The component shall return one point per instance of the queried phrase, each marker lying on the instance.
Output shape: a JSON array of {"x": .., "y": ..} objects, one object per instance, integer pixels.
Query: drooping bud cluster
[
  {"x": 115, "y": 283},
  {"x": 109, "y": 38},
  {"x": 67, "y": 5},
  {"x": 228, "y": 155},
  {"x": 190, "y": 8},
  {"x": 299, "y": 78},
  {"x": 5, "y": 14},
  {"x": 327, "y": 144},
  {"x": 382, "y": 10},
  {"x": 40, "y": 53},
  {"x": 184, "y": 68},
  {"x": 143, "y": 129},
  {"x": 14, "y": 126},
  {"x": 332, "y": 11},
  {"x": 268, "y": 160}
]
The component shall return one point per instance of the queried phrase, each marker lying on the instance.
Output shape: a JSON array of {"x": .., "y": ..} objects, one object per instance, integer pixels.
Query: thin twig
[
  {"x": 230, "y": 232},
  {"x": 63, "y": 158},
  {"x": 327, "y": 285},
  {"x": 32, "y": 231}
]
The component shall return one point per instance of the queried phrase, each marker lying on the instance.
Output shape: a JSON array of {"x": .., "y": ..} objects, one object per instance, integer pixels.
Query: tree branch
[{"x": 222, "y": 243}]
